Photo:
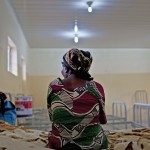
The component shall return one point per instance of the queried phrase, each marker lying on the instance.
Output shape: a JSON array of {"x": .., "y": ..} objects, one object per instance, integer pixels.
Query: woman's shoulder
[
  {"x": 8, "y": 103},
  {"x": 55, "y": 85},
  {"x": 97, "y": 85},
  {"x": 56, "y": 81}
]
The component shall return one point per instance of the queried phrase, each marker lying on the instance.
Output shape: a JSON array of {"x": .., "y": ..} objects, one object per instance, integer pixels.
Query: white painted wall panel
[{"x": 47, "y": 61}]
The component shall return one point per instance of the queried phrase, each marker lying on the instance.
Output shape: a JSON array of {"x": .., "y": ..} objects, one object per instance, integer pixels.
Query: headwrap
[
  {"x": 78, "y": 60},
  {"x": 2, "y": 98}
]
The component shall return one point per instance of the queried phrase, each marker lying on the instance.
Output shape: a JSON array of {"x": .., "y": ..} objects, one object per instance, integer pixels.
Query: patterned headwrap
[{"x": 78, "y": 60}]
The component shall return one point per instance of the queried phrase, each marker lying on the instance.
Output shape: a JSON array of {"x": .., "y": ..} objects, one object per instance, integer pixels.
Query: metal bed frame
[
  {"x": 140, "y": 105},
  {"x": 119, "y": 115},
  {"x": 138, "y": 109},
  {"x": 119, "y": 112},
  {"x": 141, "y": 96},
  {"x": 39, "y": 120}
]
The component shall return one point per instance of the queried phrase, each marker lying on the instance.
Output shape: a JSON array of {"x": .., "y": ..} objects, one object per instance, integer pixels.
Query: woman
[
  {"x": 7, "y": 110},
  {"x": 76, "y": 106}
]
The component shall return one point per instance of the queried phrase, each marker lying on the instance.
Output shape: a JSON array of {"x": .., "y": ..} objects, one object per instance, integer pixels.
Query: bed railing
[
  {"x": 119, "y": 116},
  {"x": 138, "y": 118}
]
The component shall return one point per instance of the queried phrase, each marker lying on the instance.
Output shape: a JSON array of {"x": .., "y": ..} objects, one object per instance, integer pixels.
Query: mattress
[
  {"x": 18, "y": 137},
  {"x": 133, "y": 139}
]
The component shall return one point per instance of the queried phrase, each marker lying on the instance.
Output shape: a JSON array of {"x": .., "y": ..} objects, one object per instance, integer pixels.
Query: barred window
[
  {"x": 24, "y": 76},
  {"x": 12, "y": 57}
]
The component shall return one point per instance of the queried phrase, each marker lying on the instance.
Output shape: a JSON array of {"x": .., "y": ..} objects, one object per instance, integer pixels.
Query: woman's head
[
  {"x": 77, "y": 62},
  {"x": 2, "y": 96}
]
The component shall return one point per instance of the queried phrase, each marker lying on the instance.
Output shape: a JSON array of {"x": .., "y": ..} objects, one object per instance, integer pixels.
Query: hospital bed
[
  {"x": 118, "y": 119},
  {"x": 141, "y": 109}
]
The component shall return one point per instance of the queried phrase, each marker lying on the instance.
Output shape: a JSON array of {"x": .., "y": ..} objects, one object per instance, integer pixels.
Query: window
[
  {"x": 24, "y": 76},
  {"x": 12, "y": 57}
]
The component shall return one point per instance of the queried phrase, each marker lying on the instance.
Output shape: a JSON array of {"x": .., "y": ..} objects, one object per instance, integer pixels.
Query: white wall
[
  {"x": 9, "y": 26},
  {"x": 47, "y": 61}
]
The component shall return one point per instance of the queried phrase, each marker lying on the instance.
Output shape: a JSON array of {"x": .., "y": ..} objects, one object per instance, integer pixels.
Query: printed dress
[{"x": 76, "y": 115}]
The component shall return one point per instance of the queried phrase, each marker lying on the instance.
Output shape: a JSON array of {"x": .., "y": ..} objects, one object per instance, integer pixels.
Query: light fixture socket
[{"x": 89, "y": 3}]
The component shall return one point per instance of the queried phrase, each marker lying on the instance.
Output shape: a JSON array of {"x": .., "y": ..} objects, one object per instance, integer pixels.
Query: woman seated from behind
[{"x": 76, "y": 106}]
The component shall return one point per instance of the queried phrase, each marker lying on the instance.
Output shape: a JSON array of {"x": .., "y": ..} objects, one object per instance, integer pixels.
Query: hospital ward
[{"x": 74, "y": 75}]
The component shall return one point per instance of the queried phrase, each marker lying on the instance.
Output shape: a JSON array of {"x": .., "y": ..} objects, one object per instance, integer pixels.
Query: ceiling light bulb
[
  {"x": 76, "y": 38},
  {"x": 75, "y": 28},
  {"x": 90, "y": 9}
]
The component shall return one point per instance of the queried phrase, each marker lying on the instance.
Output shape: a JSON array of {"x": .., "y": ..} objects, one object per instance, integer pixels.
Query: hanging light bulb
[
  {"x": 89, "y": 9},
  {"x": 76, "y": 38},
  {"x": 76, "y": 32},
  {"x": 76, "y": 27},
  {"x": 89, "y": 3}
]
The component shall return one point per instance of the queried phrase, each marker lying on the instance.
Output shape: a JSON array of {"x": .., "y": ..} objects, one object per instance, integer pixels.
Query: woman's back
[{"x": 75, "y": 114}]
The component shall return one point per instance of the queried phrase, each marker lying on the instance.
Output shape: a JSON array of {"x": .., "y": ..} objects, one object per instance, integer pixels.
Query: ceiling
[{"x": 112, "y": 24}]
